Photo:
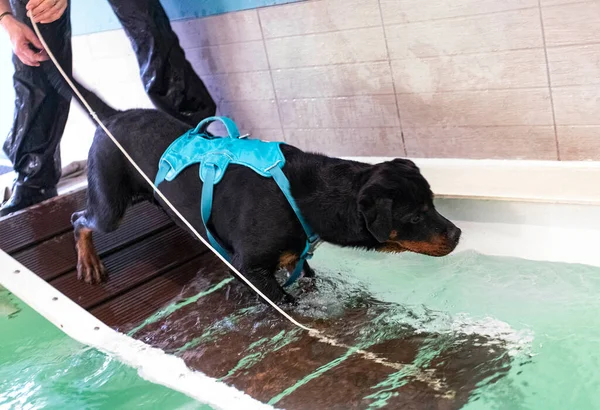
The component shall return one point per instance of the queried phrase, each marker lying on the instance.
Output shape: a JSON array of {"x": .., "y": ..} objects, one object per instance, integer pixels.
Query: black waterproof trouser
[{"x": 42, "y": 99}]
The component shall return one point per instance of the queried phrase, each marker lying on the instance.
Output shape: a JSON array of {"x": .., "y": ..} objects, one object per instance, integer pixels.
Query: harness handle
[{"x": 232, "y": 130}]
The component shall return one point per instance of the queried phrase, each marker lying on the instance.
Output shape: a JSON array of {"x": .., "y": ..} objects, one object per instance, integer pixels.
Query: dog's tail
[{"x": 102, "y": 109}]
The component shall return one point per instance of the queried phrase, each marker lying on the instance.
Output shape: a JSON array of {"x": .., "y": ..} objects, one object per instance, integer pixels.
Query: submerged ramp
[{"x": 169, "y": 291}]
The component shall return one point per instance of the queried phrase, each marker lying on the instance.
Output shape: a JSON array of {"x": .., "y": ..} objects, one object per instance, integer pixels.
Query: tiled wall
[{"x": 447, "y": 78}]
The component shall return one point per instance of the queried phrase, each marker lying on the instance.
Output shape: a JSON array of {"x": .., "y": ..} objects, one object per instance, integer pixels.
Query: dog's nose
[{"x": 454, "y": 234}]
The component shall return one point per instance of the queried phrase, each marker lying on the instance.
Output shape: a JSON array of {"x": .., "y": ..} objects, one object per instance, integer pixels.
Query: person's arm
[{"x": 22, "y": 38}]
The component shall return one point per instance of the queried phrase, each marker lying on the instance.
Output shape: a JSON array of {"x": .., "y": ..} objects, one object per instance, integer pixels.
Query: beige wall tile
[
  {"x": 330, "y": 48},
  {"x": 579, "y": 143},
  {"x": 118, "y": 69},
  {"x": 109, "y": 44},
  {"x": 85, "y": 71},
  {"x": 348, "y": 141},
  {"x": 508, "y": 69},
  {"x": 343, "y": 112},
  {"x": 481, "y": 142},
  {"x": 572, "y": 23},
  {"x": 495, "y": 32},
  {"x": 220, "y": 29},
  {"x": 318, "y": 16},
  {"x": 577, "y": 105},
  {"x": 267, "y": 134},
  {"x": 81, "y": 49},
  {"x": 406, "y": 11},
  {"x": 77, "y": 136},
  {"x": 228, "y": 58},
  {"x": 334, "y": 81},
  {"x": 256, "y": 85},
  {"x": 251, "y": 115},
  {"x": 476, "y": 108},
  {"x": 574, "y": 65},
  {"x": 123, "y": 95}
]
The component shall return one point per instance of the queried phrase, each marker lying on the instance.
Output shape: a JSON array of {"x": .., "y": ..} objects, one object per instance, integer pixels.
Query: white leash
[{"x": 151, "y": 183}]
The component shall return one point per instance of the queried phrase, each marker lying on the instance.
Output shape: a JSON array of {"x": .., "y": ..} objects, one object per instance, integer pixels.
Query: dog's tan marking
[
  {"x": 288, "y": 260},
  {"x": 89, "y": 266},
  {"x": 437, "y": 246},
  {"x": 391, "y": 247}
]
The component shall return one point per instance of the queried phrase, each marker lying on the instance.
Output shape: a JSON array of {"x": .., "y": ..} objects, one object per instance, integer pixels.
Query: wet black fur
[{"x": 347, "y": 203}]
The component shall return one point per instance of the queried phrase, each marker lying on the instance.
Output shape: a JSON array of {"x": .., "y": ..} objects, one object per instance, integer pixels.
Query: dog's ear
[{"x": 378, "y": 217}]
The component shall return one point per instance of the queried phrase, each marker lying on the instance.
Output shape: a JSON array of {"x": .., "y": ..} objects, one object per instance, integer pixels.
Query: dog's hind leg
[
  {"x": 90, "y": 268},
  {"x": 108, "y": 197}
]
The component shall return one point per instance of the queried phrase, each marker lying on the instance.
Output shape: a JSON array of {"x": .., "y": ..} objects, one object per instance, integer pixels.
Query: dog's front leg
[
  {"x": 308, "y": 271},
  {"x": 264, "y": 280}
]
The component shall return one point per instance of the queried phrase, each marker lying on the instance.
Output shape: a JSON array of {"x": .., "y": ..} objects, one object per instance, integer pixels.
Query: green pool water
[
  {"x": 42, "y": 368},
  {"x": 548, "y": 313},
  {"x": 547, "y": 316}
]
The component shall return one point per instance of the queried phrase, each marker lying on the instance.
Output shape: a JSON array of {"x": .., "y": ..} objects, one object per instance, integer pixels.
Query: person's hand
[
  {"x": 22, "y": 39},
  {"x": 46, "y": 11}
]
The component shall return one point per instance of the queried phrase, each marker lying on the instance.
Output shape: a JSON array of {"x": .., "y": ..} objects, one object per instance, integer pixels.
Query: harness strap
[
  {"x": 206, "y": 206},
  {"x": 163, "y": 170},
  {"x": 205, "y": 201},
  {"x": 312, "y": 239},
  {"x": 284, "y": 185},
  {"x": 232, "y": 130}
]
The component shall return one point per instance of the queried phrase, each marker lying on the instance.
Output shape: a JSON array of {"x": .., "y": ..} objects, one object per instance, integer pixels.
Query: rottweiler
[{"x": 386, "y": 207}]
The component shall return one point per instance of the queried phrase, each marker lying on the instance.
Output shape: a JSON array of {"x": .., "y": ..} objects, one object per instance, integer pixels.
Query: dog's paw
[
  {"x": 288, "y": 300},
  {"x": 308, "y": 285},
  {"x": 90, "y": 269}
]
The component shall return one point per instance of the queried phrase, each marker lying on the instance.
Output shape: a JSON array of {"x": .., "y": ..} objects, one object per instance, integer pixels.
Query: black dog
[{"x": 386, "y": 207}]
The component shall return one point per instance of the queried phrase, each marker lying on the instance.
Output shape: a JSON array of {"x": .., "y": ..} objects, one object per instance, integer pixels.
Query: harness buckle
[{"x": 313, "y": 243}]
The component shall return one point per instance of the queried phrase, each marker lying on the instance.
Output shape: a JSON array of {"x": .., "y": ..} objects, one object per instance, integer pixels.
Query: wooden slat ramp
[{"x": 168, "y": 290}]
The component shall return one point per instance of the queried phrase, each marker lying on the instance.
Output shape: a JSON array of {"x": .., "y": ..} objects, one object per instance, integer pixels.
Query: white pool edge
[{"x": 151, "y": 363}]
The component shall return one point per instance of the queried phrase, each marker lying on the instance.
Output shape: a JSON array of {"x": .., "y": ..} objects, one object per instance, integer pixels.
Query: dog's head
[{"x": 396, "y": 204}]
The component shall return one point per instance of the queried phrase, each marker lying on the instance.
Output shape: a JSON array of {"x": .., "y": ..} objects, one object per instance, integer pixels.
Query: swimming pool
[
  {"x": 544, "y": 315},
  {"x": 509, "y": 321},
  {"x": 42, "y": 368}
]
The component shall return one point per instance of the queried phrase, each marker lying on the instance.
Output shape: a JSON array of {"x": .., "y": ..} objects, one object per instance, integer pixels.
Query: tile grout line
[
  {"x": 466, "y": 53},
  {"x": 434, "y": 125},
  {"x": 264, "y": 41},
  {"x": 549, "y": 81},
  {"x": 360, "y": 96},
  {"x": 462, "y": 16},
  {"x": 389, "y": 60}
]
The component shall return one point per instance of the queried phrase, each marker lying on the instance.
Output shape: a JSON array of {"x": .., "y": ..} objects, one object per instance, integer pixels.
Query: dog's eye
[{"x": 416, "y": 219}]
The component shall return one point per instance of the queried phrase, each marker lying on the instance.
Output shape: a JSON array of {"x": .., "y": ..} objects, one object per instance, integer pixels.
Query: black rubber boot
[{"x": 23, "y": 197}]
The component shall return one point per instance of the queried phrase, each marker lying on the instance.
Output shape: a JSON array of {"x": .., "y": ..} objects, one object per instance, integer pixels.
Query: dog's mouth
[{"x": 438, "y": 246}]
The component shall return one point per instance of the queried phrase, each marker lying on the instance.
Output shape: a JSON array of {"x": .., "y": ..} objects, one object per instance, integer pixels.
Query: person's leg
[
  {"x": 169, "y": 79},
  {"x": 41, "y": 111}
]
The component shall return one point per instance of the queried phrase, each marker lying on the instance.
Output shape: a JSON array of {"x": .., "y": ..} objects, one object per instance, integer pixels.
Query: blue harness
[{"x": 214, "y": 154}]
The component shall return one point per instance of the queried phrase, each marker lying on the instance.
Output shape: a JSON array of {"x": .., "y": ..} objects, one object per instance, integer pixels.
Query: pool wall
[{"x": 462, "y": 79}]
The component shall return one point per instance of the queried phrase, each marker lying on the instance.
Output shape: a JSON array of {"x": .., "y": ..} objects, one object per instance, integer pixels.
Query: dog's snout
[{"x": 454, "y": 234}]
